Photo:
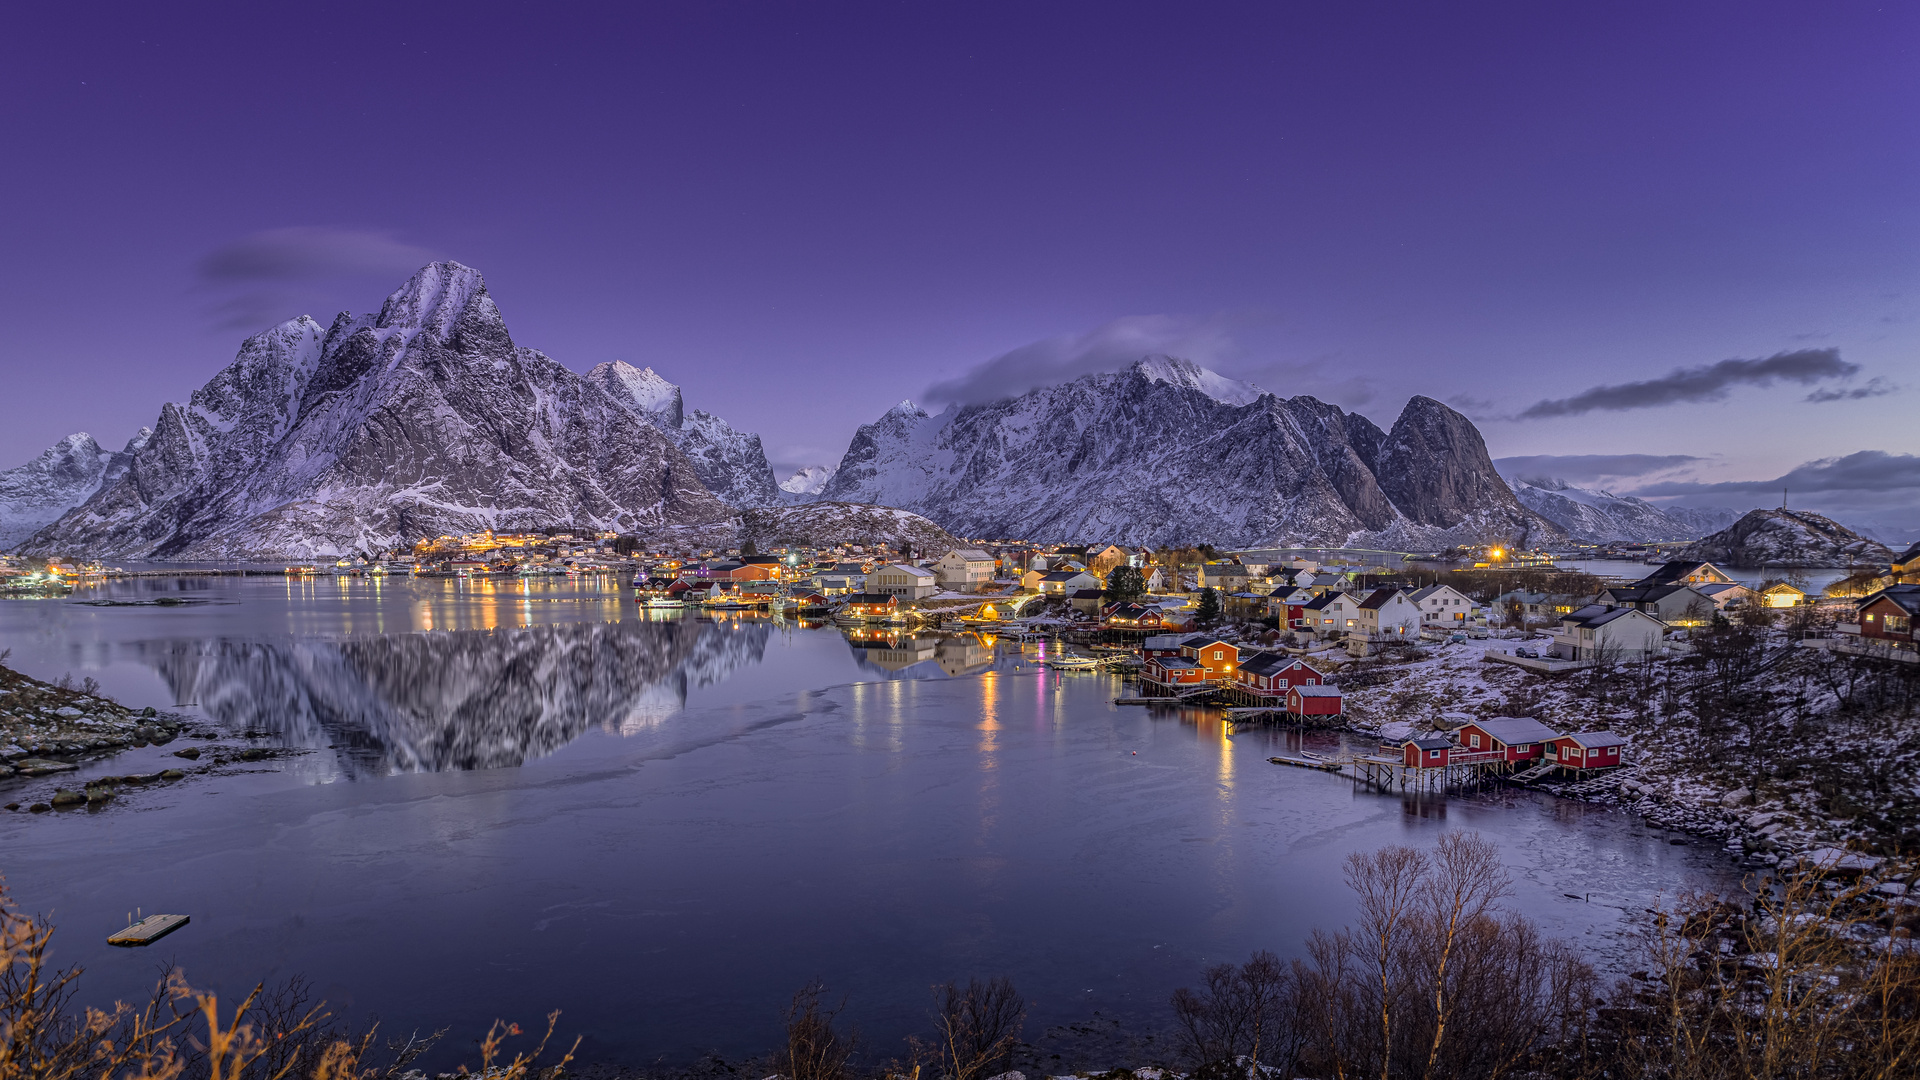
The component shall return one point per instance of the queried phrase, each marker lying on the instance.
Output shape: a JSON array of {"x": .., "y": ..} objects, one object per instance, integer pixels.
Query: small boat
[
  {"x": 661, "y": 602},
  {"x": 1074, "y": 663}
]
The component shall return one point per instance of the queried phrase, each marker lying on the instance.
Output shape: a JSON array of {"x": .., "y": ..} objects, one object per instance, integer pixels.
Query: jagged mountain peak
[
  {"x": 807, "y": 481},
  {"x": 644, "y": 388},
  {"x": 1177, "y": 372},
  {"x": 907, "y": 408},
  {"x": 437, "y": 298}
]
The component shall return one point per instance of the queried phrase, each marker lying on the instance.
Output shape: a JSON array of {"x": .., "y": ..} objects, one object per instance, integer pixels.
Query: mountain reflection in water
[
  {"x": 482, "y": 699},
  {"x": 457, "y": 699}
]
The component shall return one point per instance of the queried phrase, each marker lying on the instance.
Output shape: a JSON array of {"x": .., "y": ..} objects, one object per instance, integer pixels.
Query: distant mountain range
[
  {"x": 1169, "y": 452},
  {"x": 1598, "y": 517},
  {"x": 426, "y": 418}
]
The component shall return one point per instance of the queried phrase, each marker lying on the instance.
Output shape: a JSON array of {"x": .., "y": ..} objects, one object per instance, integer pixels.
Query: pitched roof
[
  {"x": 1912, "y": 554},
  {"x": 1513, "y": 730},
  {"x": 1670, "y": 572},
  {"x": 872, "y": 598},
  {"x": 1266, "y": 663},
  {"x": 1379, "y": 598},
  {"x": 1088, "y": 594},
  {"x": 1594, "y": 740},
  {"x": 903, "y": 568},
  {"x": 1905, "y": 597},
  {"x": 1163, "y": 641},
  {"x": 1323, "y": 601},
  {"x": 970, "y": 554},
  {"x": 1431, "y": 742},
  {"x": 1061, "y": 575},
  {"x": 1174, "y": 663},
  {"x": 1316, "y": 691}
]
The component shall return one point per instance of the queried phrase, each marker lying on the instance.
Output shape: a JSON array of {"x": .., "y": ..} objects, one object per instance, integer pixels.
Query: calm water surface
[{"x": 516, "y": 798}]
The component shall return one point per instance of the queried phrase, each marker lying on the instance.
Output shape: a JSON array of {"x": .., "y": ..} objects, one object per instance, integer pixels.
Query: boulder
[
  {"x": 67, "y": 797},
  {"x": 1739, "y": 796},
  {"x": 172, "y": 774},
  {"x": 191, "y": 753}
]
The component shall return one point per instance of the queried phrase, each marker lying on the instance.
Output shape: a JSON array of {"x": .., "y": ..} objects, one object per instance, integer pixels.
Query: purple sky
[{"x": 804, "y": 213}]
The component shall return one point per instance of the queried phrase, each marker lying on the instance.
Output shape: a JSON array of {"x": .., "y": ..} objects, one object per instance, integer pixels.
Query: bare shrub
[
  {"x": 978, "y": 1027},
  {"x": 815, "y": 1049},
  {"x": 1247, "y": 1014}
]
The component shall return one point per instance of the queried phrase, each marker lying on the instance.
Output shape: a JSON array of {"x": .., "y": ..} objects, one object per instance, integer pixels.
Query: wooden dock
[
  {"x": 1307, "y": 762},
  {"x": 148, "y": 930}
]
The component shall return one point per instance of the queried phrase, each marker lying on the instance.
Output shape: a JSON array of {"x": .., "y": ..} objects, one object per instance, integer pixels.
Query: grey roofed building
[
  {"x": 1595, "y": 740},
  {"x": 1517, "y": 730}
]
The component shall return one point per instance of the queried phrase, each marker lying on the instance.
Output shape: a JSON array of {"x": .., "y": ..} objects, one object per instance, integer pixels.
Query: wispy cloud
[
  {"x": 1106, "y": 348},
  {"x": 267, "y": 276},
  {"x": 1711, "y": 382},
  {"x": 1586, "y": 469},
  {"x": 1871, "y": 471},
  {"x": 308, "y": 253},
  {"x": 1874, "y": 387}
]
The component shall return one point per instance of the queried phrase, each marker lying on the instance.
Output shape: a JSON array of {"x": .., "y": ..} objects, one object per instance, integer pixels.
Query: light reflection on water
[{"x": 663, "y": 827}]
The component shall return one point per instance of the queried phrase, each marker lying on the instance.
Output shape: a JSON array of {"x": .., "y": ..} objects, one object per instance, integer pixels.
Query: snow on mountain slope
[
  {"x": 732, "y": 464},
  {"x": 821, "y": 523},
  {"x": 807, "y": 481},
  {"x": 1598, "y": 516},
  {"x": 423, "y": 419},
  {"x": 1788, "y": 538},
  {"x": 1177, "y": 372},
  {"x": 1151, "y": 455},
  {"x": 65, "y": 475}
]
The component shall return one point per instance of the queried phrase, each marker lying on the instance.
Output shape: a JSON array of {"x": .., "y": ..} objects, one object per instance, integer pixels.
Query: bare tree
[
  {"x": 1247, "y": 1014},
  {"x": 815, "y": 1049},
  {"x": 979, "y": 1025}
]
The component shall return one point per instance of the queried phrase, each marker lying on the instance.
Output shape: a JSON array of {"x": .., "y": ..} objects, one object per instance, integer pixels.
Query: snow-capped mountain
[
  {"x": 1167, "y": 451},
  {"x": 65, "y": 475},
  {"x": 1597, "y": 517},
  {"x": 732, "y": 464},
  {"x": 421, "y": 419},
  {"x": 1788, "y": 538},
  {"x": 808, "y": 481},
  {"x": 820, "y": 523}
]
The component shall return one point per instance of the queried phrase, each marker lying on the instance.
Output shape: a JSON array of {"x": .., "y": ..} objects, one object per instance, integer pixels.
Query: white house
[
  {"x": 1387, "y": 615},
  {"x": 1600, "y": 632},
  {"x": 1332, "y": 614},
  {"x": 964, "y": 570},
  {"x": 1443, "y": 605},
  {"x": 904, "y": 581},
  {"x": 1066, "y": 581}
]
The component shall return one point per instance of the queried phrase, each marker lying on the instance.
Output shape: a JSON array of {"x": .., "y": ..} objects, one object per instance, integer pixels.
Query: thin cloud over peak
[
  {"x": 307, "y": 253},
  {"x": 1110, "y": 347}
]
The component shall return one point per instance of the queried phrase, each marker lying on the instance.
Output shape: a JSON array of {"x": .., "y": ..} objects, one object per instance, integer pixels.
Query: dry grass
[{"x": 181, "y": 1033}]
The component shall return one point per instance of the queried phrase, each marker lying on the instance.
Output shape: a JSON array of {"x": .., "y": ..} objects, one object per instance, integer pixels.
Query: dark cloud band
[
  {"x": 1711, "y": 382},
  {"x": 1865, "y": 471}
]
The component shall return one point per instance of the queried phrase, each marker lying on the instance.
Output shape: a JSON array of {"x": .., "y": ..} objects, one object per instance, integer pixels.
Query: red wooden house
[
  {"x": 1512, "y": 738},
  {"x": 1161, "y": 645},
  {"x": 1888, "y": 615},
  {"x": 1219, "y": 658},
  {"x": 1313, "y": 701},
  {"x": 1586, "y": 750},
  {"x": 1273, "y": 674},
  {"x": 1174, "y": 671},
  {"x": 1431, "y": 752}
]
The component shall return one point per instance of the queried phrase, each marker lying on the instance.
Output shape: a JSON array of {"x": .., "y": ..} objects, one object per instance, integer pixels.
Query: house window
[
  {"x": 1475, "y": 741},
  {"x": 1899, "y": 624}
]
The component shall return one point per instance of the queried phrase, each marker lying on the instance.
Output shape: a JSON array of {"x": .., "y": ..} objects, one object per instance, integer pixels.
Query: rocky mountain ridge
[
  {"x": 732, "y": 464},
  {"x": 1788, "y": 538},
  {"x": 1168, "y": 452},
  {"x": 65, "y": 475},
  {"x": 421, "y": 419}
]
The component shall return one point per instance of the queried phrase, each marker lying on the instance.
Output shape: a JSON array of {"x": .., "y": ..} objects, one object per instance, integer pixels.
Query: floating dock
[{"x": 148, "y": 930}]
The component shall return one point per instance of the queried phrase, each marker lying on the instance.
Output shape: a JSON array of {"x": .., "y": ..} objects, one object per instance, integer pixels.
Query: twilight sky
[{"x": 1678, "y": 244}]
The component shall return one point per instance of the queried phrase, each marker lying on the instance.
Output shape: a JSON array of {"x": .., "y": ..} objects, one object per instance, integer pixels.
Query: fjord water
[{"x": 520, "y": 797}]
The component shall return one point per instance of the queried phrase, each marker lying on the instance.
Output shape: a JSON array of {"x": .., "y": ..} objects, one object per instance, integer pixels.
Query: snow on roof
[
  {"x": 1516, "y": 729},
  {"x": 1316, "y": 691},
  {"x": 971, "y": 554},
  {"x": 911, "y": 571},
  {"x": 1430, "y": 742},
  {"x": 1163, "y": 641},
  {"x": 1594, "y": 740}
]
